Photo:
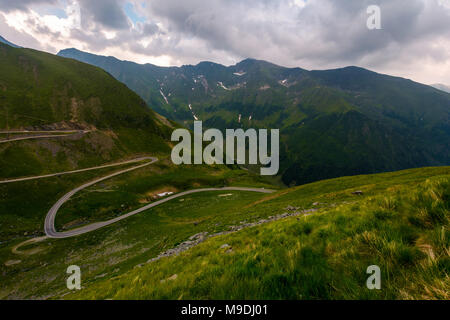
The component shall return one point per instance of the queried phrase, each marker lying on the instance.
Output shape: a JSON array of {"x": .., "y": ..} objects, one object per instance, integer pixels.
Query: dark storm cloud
[
  {"x": 108, "y": 13},
  {"x": 324, "y": 31},
  {"x": 313, "y": 34},
  {"x": 150, "y": 29},
  {"x": 7, "y": 5}
]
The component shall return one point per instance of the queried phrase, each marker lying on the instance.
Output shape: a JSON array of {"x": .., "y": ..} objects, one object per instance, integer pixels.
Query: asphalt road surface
[
  {"x": 49, "y": 225},
  {"x": 77, "y": 171},
  {"x": 46, "y": 136}
]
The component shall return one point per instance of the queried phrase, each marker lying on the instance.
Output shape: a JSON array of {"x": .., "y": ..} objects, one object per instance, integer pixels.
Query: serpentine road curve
[{"x": 49, "y": 225}]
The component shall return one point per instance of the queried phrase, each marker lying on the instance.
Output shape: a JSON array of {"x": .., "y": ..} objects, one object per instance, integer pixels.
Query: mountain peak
[
  {"x": 252, "y": 62},
  {"x": 3, "y": 40},
  {"x": 249, "y": 60},
  {"x": 347, "y": 69},
  {"x": 69, "y": 50},
  {"x": 208, "y": 64},
  {"x": 78, "y": 54},
  {"x": 74, "y": 51},
  {"x": 441, "y": 87}
]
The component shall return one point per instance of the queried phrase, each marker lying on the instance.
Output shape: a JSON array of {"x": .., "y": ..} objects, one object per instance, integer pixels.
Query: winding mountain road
[
  {"x": 51, "y": 232},
  {"x": 65, "y": 134},
  {"x": 77, "y": 171},
  {"x": 49, "y": 225}
]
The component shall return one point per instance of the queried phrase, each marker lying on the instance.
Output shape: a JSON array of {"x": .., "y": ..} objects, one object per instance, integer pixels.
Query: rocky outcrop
[{"x": 198, "y": 238}]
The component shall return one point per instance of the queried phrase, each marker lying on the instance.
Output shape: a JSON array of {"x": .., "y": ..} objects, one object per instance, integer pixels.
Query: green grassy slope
[
  {"x": 371, "y": 122},
  {"x": 40, "y": 91},
  {"x": 117, "y": 248},
  {"x": 40, "y": 88},
  {"x": 43, "y": 92},
  {"x": 400, "y": 223}
]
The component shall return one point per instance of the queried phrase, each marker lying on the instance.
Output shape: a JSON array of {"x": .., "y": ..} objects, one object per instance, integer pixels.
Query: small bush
[
  {"x": 307, "y": 228},
  {"x": 382, "y": 214},
  {"x": 407, "y": 256}
]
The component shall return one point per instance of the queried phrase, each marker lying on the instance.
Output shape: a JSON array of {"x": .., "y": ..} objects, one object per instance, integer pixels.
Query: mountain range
[
  {"x": 334, "y": 122},
  {"x": 66, "y": 125},
  {"x": 71, "y": 131}
]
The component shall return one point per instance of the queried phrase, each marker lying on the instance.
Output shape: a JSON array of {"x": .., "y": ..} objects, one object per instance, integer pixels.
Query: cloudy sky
[{"x": 414, "y": 41}]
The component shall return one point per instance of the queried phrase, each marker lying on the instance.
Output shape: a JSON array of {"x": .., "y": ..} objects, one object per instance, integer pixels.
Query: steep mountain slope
[
  {"x": 40, "y": 91},
  {"x": 59, "y": 115},
  {"x": 334, "y": 122}
]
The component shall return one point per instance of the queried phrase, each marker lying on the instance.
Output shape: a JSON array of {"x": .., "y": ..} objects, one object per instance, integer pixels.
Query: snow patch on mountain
[
  {"x": 222, "y": 86},
  {"x": 165, "y": 98},
  {"x": 192, "y": 111}
]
